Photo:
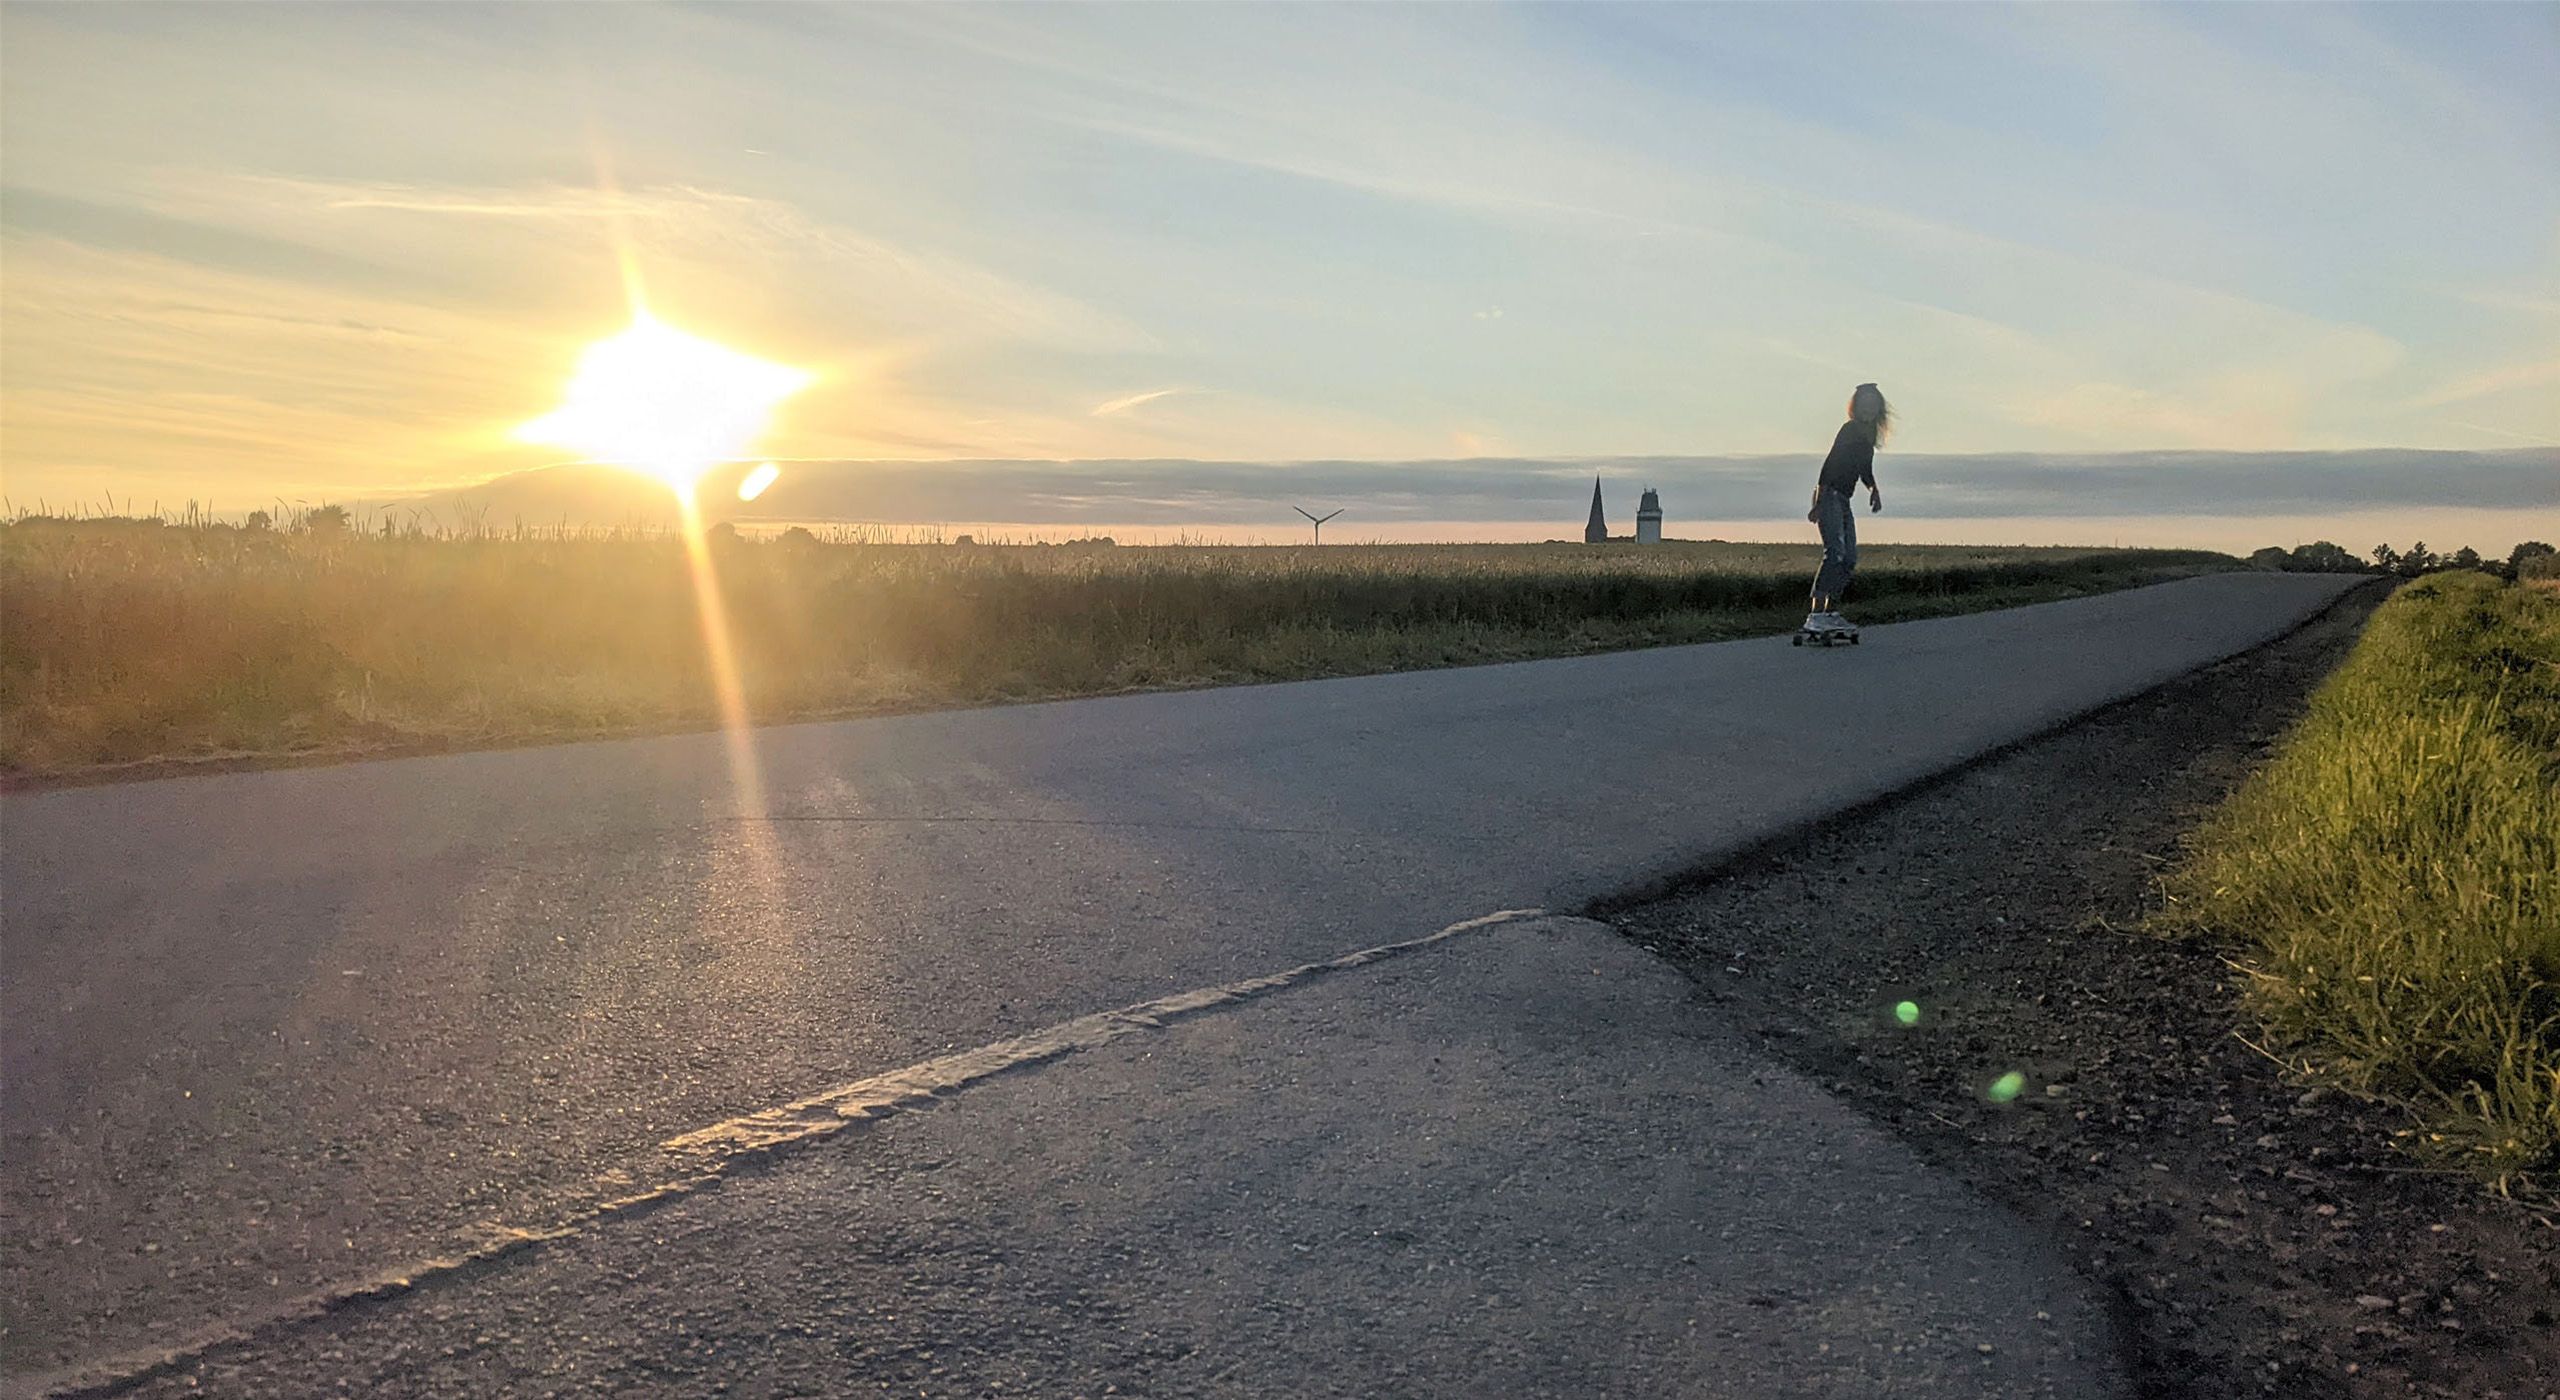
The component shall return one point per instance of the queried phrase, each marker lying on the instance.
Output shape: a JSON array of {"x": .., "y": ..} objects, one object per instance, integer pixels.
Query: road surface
[{"x": 268, "y": 1033}]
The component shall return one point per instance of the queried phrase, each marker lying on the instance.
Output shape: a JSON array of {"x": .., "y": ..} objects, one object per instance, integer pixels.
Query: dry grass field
[{"x": 132, "y": 642}]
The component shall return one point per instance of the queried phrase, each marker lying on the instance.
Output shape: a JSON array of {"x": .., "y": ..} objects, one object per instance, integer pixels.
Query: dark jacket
[{"x": 1852, "y": 459}]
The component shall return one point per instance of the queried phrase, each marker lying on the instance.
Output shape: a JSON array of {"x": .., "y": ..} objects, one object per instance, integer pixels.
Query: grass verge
[
  {"x": 2394, "y": 874},
  {"x": 131, "y": 642}
]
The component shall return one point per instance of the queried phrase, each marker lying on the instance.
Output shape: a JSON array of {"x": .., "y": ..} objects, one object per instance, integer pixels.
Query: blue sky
[{"x": 340, "y": 250}]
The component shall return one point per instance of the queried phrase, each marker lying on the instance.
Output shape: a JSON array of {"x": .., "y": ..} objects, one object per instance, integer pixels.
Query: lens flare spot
[
  {"x": 2005, "y": 1088},
  {"x": 763, "y": 476},
  {"x": 1908, "y": 1013}
]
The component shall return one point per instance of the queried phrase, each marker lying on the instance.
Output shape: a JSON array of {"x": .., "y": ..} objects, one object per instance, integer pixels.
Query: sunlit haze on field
[{"x": 373, "y": 253}]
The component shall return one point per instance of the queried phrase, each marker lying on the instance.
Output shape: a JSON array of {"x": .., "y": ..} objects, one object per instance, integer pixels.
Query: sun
[{"x": 658, "y": 400}]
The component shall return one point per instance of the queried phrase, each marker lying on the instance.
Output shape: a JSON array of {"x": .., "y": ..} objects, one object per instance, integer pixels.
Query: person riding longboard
[{"x": 1852, "y": 462}]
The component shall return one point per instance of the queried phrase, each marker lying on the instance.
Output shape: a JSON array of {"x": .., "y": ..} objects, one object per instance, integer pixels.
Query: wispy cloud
[
  {"x": 681, "y": 231},
  {"x": 2486, "y": 431},
  {"x": 1109, "y": 407},
  {"x": 2513, "y": 303},
  {"x": 2505, "y": 379},
  {"x": 375, "y": 376}
]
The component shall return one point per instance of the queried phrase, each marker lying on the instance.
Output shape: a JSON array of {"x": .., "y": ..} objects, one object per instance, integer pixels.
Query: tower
[
  {"x": 1649, "y": 518},
  {"x": 1597, "y": 532}
]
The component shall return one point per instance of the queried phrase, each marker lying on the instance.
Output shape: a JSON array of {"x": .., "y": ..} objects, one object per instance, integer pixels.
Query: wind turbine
[{"x": 1318, "y": 519}]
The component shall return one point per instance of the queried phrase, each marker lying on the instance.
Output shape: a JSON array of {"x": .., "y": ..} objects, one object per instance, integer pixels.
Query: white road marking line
[{"x": 834, "y": 1110}]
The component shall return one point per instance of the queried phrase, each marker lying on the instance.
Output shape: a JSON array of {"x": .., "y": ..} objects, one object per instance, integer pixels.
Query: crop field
[
  {"x": 133, "y": 642},
  {"x": 2394, "y": 874}
]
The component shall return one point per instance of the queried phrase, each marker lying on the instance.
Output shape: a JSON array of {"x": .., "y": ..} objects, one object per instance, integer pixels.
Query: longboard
[{"x": 1824, "y": 637}]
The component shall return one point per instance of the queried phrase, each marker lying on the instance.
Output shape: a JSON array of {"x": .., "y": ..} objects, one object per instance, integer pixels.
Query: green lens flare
[
  {"x": 1908, "y": 1013},
  {"x": 2006, "y": 1087}
]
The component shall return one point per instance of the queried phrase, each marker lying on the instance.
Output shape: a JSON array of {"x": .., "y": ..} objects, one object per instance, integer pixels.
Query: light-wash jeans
[{"x": 1838, "y": 516}]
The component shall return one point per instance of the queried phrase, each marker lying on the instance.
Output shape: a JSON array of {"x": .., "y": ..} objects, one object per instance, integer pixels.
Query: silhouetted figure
[{"x": 1852, "y": 462}]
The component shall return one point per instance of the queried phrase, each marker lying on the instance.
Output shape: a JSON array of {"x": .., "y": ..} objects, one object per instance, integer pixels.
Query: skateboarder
[{"x": 1852, "y": 462}]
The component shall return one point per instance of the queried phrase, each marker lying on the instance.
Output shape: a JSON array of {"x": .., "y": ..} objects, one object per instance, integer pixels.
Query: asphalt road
[
  {"x": 1508, "y": 1165},
  {"x": 268, "y": 1032}
]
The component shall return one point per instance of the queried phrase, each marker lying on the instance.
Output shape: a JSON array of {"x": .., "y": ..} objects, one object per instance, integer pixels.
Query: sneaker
[
  {"x": 1814, "y": 622},
  {"x": 1832, "y": 622}
]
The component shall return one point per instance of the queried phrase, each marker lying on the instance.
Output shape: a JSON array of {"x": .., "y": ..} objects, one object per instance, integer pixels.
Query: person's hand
[
  {"x": 1875, "y": 499},
  {"x": 1814, "y": 512}
]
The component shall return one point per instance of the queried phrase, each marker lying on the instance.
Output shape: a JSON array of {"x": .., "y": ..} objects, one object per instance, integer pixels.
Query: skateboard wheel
[{"x": 1797, "y": 639}]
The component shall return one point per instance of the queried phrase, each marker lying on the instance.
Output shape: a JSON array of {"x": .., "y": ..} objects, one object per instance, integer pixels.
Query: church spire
[{"x": 1597, "y": 532}]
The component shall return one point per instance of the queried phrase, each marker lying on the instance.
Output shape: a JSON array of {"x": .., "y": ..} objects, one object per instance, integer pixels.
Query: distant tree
[
  {"x": 2322, "y": 557},
  {"x": 327, "y": 521},
  {"x": 258, "y": 520},
  {"x": 2463, "y": 558},
  {"x": 798, "y": 537},
  {"x": 2522, "y": 554},
  {"x": 724, "y": 533},
  {"x": 2418, "y": 560},
  {"x": 2271, "y": 558},
  {"x": 2386, "y": 559}
]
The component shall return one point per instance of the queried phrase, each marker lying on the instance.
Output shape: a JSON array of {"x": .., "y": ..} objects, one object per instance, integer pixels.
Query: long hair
[{"x": 1867, "y": 406}]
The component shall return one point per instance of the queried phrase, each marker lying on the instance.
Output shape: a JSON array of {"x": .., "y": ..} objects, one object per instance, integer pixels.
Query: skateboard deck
[{"x": 1825, "y": 637}]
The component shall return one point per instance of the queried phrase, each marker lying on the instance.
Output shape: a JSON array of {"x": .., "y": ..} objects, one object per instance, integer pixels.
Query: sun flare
[{"x": 658, "y": 400}]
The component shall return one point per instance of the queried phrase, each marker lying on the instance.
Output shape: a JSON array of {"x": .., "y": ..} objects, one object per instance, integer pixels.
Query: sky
[{"x": 342, "y": 251}]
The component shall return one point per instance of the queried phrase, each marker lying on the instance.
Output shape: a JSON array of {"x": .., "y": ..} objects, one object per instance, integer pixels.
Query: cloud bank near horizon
[{"x": 1177, "y": 492}]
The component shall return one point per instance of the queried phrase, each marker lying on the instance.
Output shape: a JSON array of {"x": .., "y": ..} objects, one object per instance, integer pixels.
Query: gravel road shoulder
[{"x": 2261, "y": 1237}]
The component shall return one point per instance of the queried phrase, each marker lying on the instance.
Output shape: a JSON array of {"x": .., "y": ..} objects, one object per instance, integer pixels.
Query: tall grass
[
  {"x": 132, "y": 641},
  {"x": 2394, "y": 873}
]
